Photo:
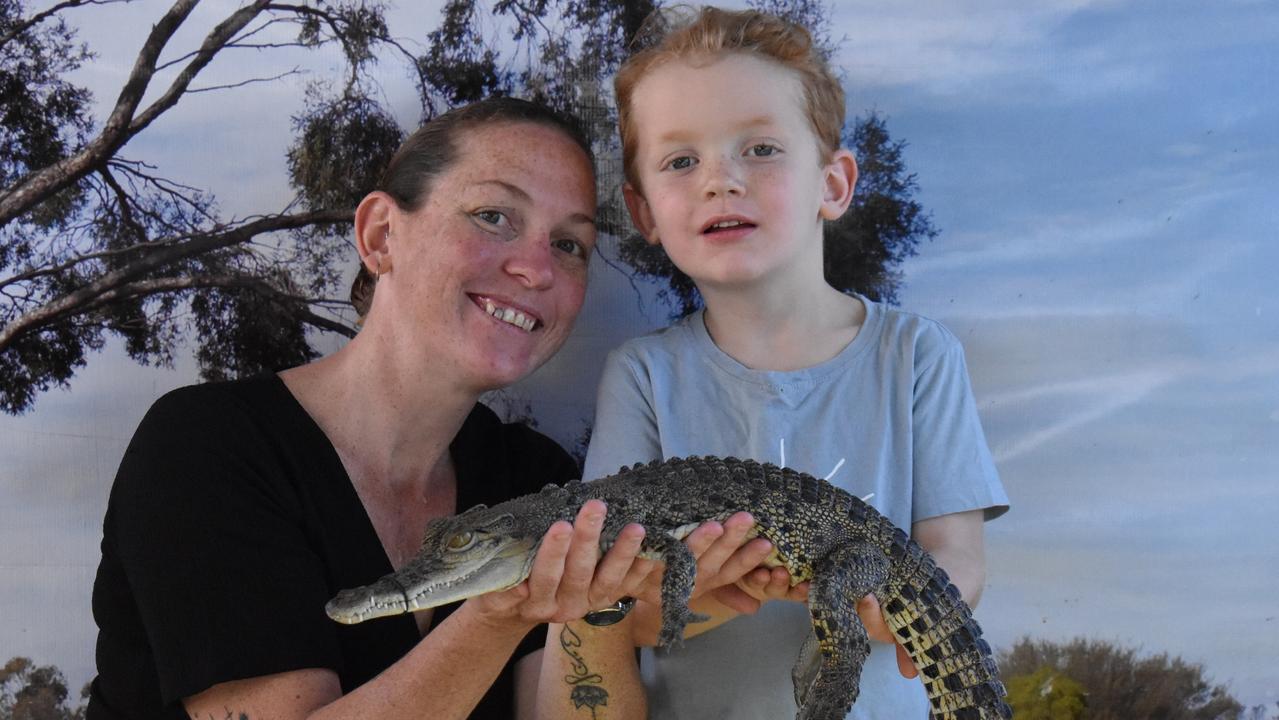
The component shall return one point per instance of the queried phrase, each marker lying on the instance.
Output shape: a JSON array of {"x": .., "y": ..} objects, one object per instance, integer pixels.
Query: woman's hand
[{"x": 568, "y": 579}]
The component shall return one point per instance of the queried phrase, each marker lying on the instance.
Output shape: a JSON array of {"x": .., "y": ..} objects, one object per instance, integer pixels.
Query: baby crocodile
[{"x": 819, "y": 533}]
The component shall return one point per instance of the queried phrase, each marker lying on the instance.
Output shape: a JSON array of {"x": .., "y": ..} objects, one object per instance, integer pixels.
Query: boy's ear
[
  {"x": 840, "y": 179},
  {"x": 373, "y": 219},
  {"x": 641, "y": 213}
]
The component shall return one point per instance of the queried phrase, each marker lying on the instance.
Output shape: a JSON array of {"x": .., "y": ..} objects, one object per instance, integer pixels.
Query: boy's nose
[{"x": 723, "y": 178}]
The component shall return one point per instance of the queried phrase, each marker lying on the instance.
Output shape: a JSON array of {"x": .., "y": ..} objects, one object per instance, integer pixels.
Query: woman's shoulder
[
  {"x": 213, "y": 405},
  {"x": 487, "y": 438}
]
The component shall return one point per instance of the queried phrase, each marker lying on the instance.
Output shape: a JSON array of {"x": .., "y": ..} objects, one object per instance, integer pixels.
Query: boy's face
[{"x": 733, "y": 185}]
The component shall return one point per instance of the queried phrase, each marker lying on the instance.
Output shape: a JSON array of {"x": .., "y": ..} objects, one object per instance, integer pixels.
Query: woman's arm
[
  {"x": 589, "y": 672},
  {"x": 447, "y": 673},
  {"x": 444, "y": 676}
]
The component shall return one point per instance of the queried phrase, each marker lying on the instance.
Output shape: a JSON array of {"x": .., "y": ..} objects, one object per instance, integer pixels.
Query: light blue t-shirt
[{"x": 891, "y": 416}]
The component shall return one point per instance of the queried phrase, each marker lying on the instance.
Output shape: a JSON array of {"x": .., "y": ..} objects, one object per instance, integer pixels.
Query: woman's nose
[{"x": 531, "y": 263}]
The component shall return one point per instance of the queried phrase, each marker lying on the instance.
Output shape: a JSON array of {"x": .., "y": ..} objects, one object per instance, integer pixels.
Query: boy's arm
[
  {"x": 957, "y": 542},
  {"x": 625, "y": 430}
]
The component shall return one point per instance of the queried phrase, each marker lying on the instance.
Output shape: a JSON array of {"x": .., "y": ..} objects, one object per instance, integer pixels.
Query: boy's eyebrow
[
  {"x": 679, "y": 135},
  {"x": 518, "y": 192}
]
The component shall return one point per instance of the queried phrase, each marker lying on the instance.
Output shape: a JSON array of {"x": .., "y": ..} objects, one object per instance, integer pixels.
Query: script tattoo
[{"x": 586, "y": 685}]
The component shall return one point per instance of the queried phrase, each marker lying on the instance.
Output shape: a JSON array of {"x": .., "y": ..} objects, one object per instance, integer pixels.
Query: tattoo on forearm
[{"x": 587, "y": 687}]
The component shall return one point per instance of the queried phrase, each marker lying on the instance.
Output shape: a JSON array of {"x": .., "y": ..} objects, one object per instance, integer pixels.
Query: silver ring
[{"x": 610, "y": 615}]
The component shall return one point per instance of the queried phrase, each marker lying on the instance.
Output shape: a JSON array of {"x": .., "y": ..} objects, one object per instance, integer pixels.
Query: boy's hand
[
  {"x": 764, "y": 584},
  {"x": 723, "y": 555},
  {"x": 878, "y": 630}
]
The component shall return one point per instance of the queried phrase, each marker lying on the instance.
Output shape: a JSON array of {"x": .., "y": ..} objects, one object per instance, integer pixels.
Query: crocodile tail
[{"x": 937, "y": 628}]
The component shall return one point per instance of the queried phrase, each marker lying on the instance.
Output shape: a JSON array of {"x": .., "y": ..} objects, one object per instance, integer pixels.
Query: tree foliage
[
  {"x": 93, "y": 243},
  {"x": 1119, "y": 683},
  {"x": 32, "y": 692},
  {"x": 1046, "y": 694},
  {"x": 97, "y": 245}
]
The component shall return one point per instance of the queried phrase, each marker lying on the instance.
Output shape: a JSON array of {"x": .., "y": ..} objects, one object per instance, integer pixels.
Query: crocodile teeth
[{"x": 508, "y": 315}]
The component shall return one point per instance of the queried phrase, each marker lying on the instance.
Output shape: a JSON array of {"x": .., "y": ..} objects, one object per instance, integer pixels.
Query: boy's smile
[{"x": 732, "y": 182}]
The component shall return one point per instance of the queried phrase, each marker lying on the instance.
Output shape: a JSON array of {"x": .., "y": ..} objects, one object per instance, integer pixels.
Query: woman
[{"x": 240, "y": 508}]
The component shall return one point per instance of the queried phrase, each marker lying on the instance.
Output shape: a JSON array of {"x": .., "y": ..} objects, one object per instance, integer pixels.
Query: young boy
[{"x": 731, "y": 130}]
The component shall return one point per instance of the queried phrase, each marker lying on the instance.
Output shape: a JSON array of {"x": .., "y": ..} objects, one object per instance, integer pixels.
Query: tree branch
[
  {"x": 122, "y": 197},
  {"x": 40, "y": 17},
  {"x": 91, "y": 294},
  {"x": 122, "y": 124},
  {"x": 213, "y": 42},
  {"x": 242, "y": 83}
]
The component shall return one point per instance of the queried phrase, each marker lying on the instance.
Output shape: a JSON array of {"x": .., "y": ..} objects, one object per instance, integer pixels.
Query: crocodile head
[{"x": 462, "y": 556}]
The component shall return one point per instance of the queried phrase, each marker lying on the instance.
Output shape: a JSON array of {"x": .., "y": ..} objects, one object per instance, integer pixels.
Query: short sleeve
[
  {"x": 210, "y": 537},
  {"x": 625, "y": 430},
  {"x": 954, "y": 471}
]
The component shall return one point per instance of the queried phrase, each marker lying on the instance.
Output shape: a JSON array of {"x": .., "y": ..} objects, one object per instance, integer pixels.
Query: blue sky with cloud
[{"x": 1103, "y": 175}]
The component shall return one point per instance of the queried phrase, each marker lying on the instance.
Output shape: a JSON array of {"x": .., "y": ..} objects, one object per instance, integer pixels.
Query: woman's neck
[{"x": 390, "y": 425}]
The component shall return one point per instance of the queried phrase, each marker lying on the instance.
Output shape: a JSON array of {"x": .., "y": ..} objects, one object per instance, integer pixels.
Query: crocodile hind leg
[
  {"x": 826, "y": 686},
  {"x": 677, "y": 586}
]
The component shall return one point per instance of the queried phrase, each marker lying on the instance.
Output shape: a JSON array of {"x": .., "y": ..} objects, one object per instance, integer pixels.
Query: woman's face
[{"x": 490, "y": 271}]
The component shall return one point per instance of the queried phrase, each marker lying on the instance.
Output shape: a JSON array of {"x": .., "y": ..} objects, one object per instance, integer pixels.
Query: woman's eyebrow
[{"x": 508, "y": 187}]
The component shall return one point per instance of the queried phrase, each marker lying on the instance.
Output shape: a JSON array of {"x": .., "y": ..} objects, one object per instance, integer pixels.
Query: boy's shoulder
[{"x": 925, "y": 336}]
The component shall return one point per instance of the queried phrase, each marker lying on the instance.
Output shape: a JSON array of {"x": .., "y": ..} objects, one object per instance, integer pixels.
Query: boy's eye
[
  {"x": 683, "y": 162},
  {"x": 762, "y": 150}
]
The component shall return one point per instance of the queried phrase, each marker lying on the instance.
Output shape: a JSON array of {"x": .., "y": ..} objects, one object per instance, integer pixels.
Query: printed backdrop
[{"x": 1102, "y": 173}]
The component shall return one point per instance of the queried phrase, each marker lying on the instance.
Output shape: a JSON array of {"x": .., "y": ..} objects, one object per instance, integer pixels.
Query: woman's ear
[
  {"x": 840, "y": 179},
  {"x": 373, "y": 220},
  {"x": 641, "y": 213}
]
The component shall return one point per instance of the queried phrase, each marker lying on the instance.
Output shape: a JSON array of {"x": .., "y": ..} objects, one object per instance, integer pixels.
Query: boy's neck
[{"x": 783, "y": 333}]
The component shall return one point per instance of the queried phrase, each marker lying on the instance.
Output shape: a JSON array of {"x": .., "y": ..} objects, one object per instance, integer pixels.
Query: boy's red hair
[{"x": 682, "y": 32}]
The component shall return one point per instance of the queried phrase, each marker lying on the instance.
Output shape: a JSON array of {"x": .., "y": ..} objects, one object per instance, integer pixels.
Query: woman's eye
[
  {"x": 683, "y": 162},
  {"x": 490, "y": 217},
  {"x": 571, "y": 246},
  {"x": 762, "y": 150}
]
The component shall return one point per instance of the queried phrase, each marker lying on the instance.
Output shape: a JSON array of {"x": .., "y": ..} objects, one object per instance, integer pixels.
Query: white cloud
[
  {"x": 947, "y": 48},
  {"x": 1089, "y": 400}
]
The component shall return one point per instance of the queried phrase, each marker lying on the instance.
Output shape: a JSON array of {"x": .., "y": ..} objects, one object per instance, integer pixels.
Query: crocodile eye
[{"x": 461, "y": 541}]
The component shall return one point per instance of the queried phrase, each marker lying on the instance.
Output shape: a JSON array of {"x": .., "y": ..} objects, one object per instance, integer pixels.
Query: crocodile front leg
[
  {"x": 826, "y": 689},
  {"x": 677, "y": 586}
]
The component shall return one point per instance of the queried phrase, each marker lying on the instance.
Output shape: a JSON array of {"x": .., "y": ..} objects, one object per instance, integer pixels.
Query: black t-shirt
[{"x": 232, "y": 522}]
